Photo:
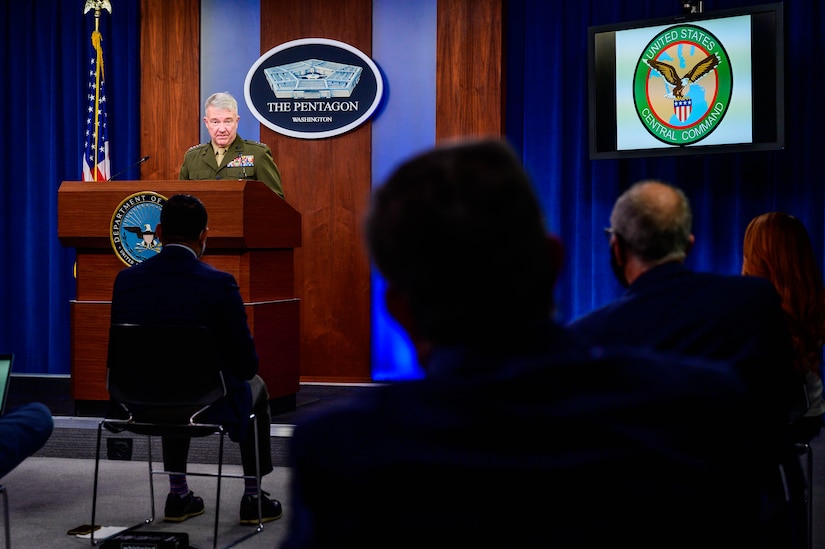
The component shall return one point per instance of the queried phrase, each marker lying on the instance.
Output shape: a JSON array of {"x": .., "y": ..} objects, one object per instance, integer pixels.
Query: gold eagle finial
[{"x": 97, "y": 5}]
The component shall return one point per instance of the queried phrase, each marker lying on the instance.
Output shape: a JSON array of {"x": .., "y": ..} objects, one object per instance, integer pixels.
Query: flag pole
[{"x": 98, "y": 6}]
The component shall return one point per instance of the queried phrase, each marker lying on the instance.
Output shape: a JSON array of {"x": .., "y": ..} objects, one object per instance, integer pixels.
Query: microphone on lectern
[{"x": 121, "y": 172}]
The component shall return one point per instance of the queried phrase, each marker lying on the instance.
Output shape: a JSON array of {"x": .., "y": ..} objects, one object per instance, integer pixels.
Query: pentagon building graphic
[{"x": 313, "y": 79}]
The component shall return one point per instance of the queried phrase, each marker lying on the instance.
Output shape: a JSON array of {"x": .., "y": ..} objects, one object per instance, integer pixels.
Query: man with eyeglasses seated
[
  {"x": 228, "y": 155},
  {"x": 669, "y": 308}
]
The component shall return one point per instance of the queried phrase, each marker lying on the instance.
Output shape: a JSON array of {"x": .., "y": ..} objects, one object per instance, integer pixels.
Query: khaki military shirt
[{"x": 244, "y": 159}]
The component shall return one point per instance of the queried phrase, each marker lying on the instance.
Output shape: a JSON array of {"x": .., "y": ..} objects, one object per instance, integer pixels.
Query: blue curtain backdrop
[
  {"x": 44, "y": 54},
  {"x": 45, "y": 49},
  {"x": 547, "y": 120}
]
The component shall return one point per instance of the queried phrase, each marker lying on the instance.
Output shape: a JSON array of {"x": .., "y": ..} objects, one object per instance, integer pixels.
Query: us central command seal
[{"x": 683, "y": 85}]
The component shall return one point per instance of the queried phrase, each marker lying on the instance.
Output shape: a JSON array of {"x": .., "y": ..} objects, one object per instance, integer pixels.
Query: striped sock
[
  {"x": 178, "y": 485},
  {"x": 250, "y": 487}
]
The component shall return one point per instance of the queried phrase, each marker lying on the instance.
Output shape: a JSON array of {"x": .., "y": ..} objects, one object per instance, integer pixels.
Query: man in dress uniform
[{"x": 227, "y": 155}]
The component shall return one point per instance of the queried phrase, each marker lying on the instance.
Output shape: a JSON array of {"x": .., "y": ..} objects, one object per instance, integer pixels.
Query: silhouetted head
[
  {"x": 183, "y": 220},
  {"x": 459, "y": 235},
  {"x": 653, "y": 219},
  {"x": 777, "y": 247}
]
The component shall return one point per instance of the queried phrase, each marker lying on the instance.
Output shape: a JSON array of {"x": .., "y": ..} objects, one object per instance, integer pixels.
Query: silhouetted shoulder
[
  {"x": 732, "y": 287},
  {"x": 654, "y": 434}
]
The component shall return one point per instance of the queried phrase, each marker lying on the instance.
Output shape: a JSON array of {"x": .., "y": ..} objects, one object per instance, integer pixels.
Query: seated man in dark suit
[
  {"x": 667, "y": 307},
  {"x": 519, "y": 435},
  {"x": 175, "y": 287}
]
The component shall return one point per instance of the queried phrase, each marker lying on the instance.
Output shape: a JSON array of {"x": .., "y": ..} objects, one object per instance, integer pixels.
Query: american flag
[{"x": 96, "y": 141}]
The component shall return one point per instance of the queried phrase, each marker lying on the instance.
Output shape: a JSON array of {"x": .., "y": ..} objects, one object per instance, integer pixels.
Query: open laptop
[{"x": 6, "y": 362}]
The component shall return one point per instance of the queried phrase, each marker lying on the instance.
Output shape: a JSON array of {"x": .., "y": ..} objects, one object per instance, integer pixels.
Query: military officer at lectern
[{"x": 227, "y": 155}]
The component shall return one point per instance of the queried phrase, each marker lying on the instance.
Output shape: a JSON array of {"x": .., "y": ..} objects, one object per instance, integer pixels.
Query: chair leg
[
  {"x": 804, "y": 449},
  {"x": 254, "y": 420},
  {"x": 259, "y": 528},
  {"x": 810, "y": 471},
  {"x": 151, "y": 479},
  {"x": 258, "y": 473},
  {"x": 6, "y": 523},
  {"x": 219, "y": 476},
  {"x": 94, "y": 489},
  {"x": 218, "y": 490},
  {"x": 95, "y": 484}
]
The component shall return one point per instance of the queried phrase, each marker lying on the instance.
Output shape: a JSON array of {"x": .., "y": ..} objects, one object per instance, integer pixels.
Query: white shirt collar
[{"x": 184, "y": 246}]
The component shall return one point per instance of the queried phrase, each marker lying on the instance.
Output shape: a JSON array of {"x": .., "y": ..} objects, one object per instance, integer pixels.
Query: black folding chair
[
  {"x": 6, "y": 524},
  {"x": 163, "y": 378},
  {"x": 804, "y": 449}
]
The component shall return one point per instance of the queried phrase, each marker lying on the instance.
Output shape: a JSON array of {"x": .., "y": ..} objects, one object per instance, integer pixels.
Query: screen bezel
[
  {"x": 6, "y": 365},
  {"x": 768, "y": 117}
]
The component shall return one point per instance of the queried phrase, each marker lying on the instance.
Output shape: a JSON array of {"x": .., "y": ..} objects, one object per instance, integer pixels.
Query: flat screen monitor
[
  {"x": 688, "y": 84},
  {"x": 6, "y": 363}
]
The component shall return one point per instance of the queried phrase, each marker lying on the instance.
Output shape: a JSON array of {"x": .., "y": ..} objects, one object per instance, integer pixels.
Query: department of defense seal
[{"x": 133, "y": 227}]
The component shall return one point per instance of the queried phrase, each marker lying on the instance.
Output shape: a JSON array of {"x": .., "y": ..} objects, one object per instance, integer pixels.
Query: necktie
[{"x": 219, "y": 156}]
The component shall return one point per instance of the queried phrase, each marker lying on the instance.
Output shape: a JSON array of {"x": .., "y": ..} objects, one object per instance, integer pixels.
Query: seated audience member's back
[
  {"x": 670, "y": 308},
  {"x": 563, "y": 449},
  {"x": 777, "y": 248},
  {"x": 520, "y": 434}
]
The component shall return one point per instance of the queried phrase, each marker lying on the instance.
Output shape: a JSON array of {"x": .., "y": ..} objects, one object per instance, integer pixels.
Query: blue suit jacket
[
  {"x": 560, "y": 445},
  {"x": 176, "y": 288},
  {"x": 734, "y": 318}
]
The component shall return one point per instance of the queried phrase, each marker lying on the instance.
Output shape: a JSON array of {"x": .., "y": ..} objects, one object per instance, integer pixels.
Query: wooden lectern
[{"x": 252, "y": 233}]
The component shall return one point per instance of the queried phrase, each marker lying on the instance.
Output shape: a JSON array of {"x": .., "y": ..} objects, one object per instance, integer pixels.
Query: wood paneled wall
[
  {"x": 470, "y": 69},
  {"x": 170, "y": 116},
  {"x": 327, "y": 180}
]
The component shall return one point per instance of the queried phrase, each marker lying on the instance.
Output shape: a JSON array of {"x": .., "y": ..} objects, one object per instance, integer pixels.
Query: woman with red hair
[{"x": 777, "y": 247}]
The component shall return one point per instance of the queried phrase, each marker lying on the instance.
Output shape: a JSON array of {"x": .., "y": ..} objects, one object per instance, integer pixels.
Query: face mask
[{"x": 617, "y": 269}]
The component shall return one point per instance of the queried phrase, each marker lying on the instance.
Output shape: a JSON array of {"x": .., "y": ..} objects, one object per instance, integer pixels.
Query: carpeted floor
[
  {"x": 48, "y": 496},
  {"x": 51, "y": 492}
]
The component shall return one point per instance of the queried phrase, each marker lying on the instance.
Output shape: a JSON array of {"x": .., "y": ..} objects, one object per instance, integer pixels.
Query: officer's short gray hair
[{"x": 221, "y": 100}]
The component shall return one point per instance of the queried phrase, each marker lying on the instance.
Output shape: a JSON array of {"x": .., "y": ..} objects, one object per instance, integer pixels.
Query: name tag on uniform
[{"x": 242, "y": 161}]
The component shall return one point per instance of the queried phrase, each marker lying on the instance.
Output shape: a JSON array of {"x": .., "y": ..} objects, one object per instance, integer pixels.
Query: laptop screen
[{"x": 6, "y": 362}]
